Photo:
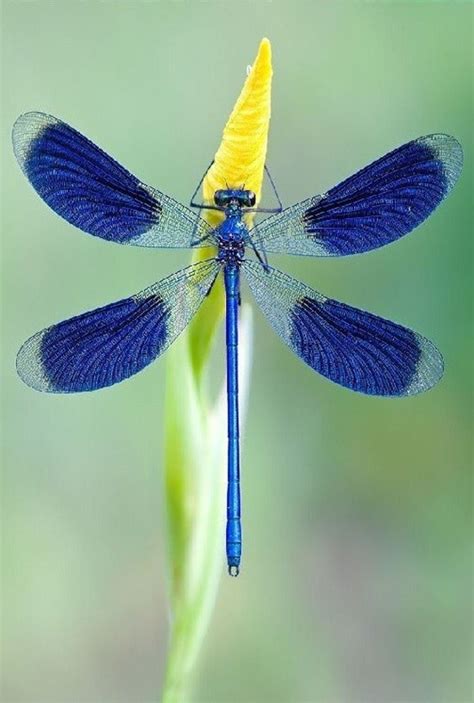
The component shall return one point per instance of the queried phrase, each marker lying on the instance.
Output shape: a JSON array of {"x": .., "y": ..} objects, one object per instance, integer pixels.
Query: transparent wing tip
[
  {"x": 29, "y": 364},
  {"x": 429, "y": 369}
]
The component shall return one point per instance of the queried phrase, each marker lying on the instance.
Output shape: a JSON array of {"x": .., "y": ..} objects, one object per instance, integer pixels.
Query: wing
[
  {"x": 351, "y": 347},
  {"x": 107, "y": 345},
  {"x": 89, "y": 189},
  {"x": 374, "y": 207}
]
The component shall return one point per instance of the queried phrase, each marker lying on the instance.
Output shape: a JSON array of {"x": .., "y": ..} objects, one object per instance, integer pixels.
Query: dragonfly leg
[
  {"x": 280, "y": 205},
  {"x": 202, "y": 206},
  {"x": 192, "y": 203},
  {"x": 262, "y": 257},
  {"x": 200, "y": 240},
  {"x": 269, "y": 210}
]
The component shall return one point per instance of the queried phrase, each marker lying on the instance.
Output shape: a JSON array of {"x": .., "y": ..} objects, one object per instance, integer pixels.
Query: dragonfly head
[{"x": 234, "y": 198}]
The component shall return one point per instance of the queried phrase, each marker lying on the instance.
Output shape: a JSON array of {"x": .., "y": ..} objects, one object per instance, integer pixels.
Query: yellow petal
[{"x": 241, "y": 156}]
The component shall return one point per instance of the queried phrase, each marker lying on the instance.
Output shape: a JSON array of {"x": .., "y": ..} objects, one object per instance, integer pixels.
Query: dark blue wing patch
[
  {"x": 387, "y": 199},
  {"x": 361, "y": 351},
  {"x": 95, "y": 349},
  {"x": 107, "y": 345},
  {"x": 82, "y": 183},
  {"x": 351, "y": 347},
  {"x": 89, "y": 189},
  {"x": 374, "y": 207}
]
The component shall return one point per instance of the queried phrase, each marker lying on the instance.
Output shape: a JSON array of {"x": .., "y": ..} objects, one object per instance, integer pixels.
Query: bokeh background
[{"x": 357, "y": 579}]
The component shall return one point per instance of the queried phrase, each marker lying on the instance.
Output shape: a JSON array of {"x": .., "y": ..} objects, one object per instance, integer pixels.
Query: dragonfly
[{"x": 354, "y": 348}]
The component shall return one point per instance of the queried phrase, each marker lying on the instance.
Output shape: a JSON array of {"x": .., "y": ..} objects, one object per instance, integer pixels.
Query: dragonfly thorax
[{"x": 231, "y": 238}]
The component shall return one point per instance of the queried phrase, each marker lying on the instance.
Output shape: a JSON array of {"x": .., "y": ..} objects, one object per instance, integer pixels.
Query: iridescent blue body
[
  {"x": 354, "y": 348},
  {"x": 234, "y": 530},
  {"x": 231, "y": 236}
]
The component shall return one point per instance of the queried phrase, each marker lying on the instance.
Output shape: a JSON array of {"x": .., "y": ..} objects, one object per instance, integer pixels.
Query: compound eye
[
  {"x": 221, "y": 198},
  {"x": 248, "y": 198}
]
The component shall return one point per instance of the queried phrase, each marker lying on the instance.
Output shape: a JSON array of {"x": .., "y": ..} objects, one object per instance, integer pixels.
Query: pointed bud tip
[
  {"x": 241, "y": 154},
  {"x": 264, "y": 55}
]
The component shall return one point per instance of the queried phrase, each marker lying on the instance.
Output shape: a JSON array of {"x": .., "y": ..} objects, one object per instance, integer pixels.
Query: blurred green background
[{"x": 357, "y": 577}]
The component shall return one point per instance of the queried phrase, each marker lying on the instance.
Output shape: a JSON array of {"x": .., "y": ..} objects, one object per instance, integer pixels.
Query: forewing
[
  {"x": 351, "y": 347},
  {"x": 107, "y": 345},
  {"x": 89, "y": 189},
  {"x": 374, "y": 207}
]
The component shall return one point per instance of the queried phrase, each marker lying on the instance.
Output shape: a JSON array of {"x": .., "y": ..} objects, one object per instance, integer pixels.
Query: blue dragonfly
[{"x": 351, "y": 347}]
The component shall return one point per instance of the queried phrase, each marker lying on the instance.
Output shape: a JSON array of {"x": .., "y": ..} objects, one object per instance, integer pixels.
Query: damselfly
[{"x": 356, "y": 349}]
